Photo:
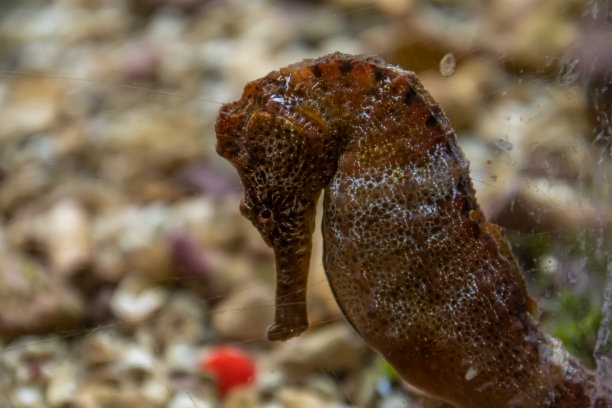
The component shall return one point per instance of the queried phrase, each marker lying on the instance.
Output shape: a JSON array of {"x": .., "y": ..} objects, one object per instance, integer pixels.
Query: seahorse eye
[{"x": 265, "y": 215}]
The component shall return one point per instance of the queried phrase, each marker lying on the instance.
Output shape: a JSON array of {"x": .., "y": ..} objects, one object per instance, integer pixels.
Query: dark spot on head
[
  {"x": 431, "y": 121},
  {"x": 379, "y": 74},
  {"x": 346, "y": 67},
  {"x": 316, "y": 71},
  {"x": 409, "y": 97}
]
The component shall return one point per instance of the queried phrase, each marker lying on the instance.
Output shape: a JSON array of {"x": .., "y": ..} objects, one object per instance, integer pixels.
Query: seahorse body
[{"x": 415, "y": 267}]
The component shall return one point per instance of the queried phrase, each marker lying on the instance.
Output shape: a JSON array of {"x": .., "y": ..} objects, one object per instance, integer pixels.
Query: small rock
[
  {"x": 365, "y": 384},
  {"x": 295, "y": 398},
  {"x": 242, "y": 398},
  {"x": 101, "y": 348},
  {"x": 181, "y": 358},
  {"x": 139, "y": 61},
  {"x": 152, "y": 261},
  {"x": 245, "y": 314},
  {"x": 62, "y": 386},
  {"x": 553, "y": 206},
  {"x": 182, "y": 319},
  {"x": 334, "y": 348},
  {"x": 156, "y": 389},
  {"x": 270, "y": 376},
  {"x": 28, "y": 397},
  {"x": 68, "y": 237},
  {"x": 134, "y": 302},
  {"x": 103, "y": 395},
  {"x": 187, "y": 400},
  {"x": 325, "y": 387},
  {"x": 504, "y": 145},
  {"x": 396, "y": 400},
  {"x": 227, "y": 272},
  {"x": 31, "y": 360},
  {"x": 135, "y": 361},
  {"x": 33, "y": 301},
  {"x": 32, "y": 105}
]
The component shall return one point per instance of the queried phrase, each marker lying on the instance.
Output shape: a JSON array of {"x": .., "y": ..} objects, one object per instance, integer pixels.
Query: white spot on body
[{"x": 471, "y": 373}]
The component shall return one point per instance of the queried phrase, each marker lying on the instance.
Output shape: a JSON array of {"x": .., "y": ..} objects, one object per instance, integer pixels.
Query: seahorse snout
[{"x": 292, "y": 259}]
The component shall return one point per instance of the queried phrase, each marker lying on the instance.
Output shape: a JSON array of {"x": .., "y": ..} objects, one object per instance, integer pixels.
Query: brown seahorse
[{"x": 412, "y": 262}]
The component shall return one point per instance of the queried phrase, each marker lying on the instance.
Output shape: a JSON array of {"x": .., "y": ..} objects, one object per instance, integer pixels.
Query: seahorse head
[
  {"x": 280, "y": 152},
  {"x": 277, "y": 155}
]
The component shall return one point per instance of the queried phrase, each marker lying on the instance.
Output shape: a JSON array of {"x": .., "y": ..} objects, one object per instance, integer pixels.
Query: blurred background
[{"x": 128, "y": 276}]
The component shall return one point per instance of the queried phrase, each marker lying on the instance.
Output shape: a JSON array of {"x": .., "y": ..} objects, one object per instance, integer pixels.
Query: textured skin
[{"x": 413, "y": 264}]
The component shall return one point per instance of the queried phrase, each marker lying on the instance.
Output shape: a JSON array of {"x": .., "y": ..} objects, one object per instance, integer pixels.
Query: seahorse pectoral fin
[{"x": 290, "y": 317}]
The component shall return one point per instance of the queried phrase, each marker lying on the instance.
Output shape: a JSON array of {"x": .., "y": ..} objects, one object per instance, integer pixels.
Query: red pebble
[{"x": 232, "y": 367}]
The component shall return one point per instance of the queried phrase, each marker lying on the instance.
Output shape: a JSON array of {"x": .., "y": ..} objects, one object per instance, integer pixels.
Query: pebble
[
  {"x": 556, "y": 207},
  {"x": 295, "y": 398},
  {"x": 135, "y": 361},
  {"x": 181, "y": 321},
  {"x": 244, "y": 314},
  {"x": 334, "y": 348},
  {"x": 134, "y": 301},
  {"x": 187, "y": 400},
  {"x": 62, "y": 386},
  {"x": 242, "y": 398},
  {"x": 28, "y": 397},
  {"x": 32, "y": 106},
  {"x": 33, "y": 301},
  {"x": 101, "y": 348},
  {"x": 396, "y": 400},
  {"x": 70, "y": 243},
  {"x": 181, "y": 358}
]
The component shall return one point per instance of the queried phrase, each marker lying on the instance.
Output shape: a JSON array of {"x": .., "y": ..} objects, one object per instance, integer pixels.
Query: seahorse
[{"x": 415, "y": 267}]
